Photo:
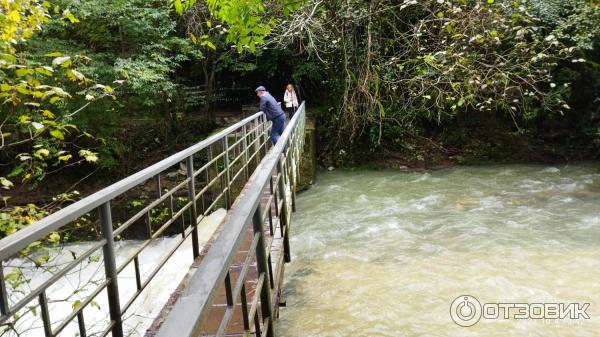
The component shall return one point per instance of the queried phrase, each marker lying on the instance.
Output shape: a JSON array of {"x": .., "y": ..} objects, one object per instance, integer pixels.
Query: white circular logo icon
[{"x": 465, "y": 310}]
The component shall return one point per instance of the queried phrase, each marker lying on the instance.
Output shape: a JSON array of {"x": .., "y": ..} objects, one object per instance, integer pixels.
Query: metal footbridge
[{"x": 234, "y": 280}]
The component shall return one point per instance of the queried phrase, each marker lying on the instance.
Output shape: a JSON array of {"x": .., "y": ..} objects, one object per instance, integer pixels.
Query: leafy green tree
[
  {"x": 35, "y": 127},
  {"x": 135, "y": 40},
  {"x": 248, "y": 21},
  {"x": 575, "y": 23},
  {"x": 400, "y": 63}
]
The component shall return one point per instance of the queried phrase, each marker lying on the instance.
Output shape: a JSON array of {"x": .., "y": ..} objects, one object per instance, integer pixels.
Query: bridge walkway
[
  {"x": 233, "y": 285},
  {"x": 244, "y": 299},
  {"x": 236, "y": 326}
]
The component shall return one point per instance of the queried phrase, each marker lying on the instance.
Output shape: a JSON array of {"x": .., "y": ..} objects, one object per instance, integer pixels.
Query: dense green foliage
[
  {"x": 33, "y": 93},
  {"x": 102, "y": 89},
  {"x": 398, "y": 71},
  {"x": 89, "y": 87}
]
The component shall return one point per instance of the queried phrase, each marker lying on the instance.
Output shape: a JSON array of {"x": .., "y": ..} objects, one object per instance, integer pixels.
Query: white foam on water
[
  {"x": 551, "y": 170},
  {"x": 423, "y": 177},
  {"x": 84, "y": 279},
  {"x": 521, "y": 234}
]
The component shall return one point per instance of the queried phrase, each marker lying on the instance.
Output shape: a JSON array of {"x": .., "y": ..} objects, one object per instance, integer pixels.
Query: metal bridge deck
[
  {"x": 236, "y": 326},
  {"x": 234, "y": 284}
]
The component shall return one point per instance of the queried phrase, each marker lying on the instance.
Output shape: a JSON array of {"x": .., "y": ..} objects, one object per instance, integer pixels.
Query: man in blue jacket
[{"x": 274, "y": 113}]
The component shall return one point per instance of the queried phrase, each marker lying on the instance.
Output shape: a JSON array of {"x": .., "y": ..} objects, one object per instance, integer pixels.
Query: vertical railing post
[
  {"x": 45, "y": 312},
  {"x": 227, "y": 177},
  {"x": 148, "y": 215},
  {"x": 244, "y": 300},
  {"x": 265, "y": 131},
  {"x": 283, "y": 214},
  {"x": 298, "y": 139},
  {"x": 293, "y": 164},
  {"x": 189, "y": 163},
  {"x": 158, "y": 186},
  {"x": 262, "y": 266},
  {"x": 81, "y": 324},
  {"x": 257, "y": 142},
  {"x": 245, "y": 142},
  {"x": 228, "y": 290},
  {"x": 4, "y": 305},
  {"x": 110, "y": 268}
]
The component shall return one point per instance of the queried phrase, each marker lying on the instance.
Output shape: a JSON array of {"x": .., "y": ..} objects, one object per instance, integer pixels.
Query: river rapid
[{"x": 385, "y": 253}]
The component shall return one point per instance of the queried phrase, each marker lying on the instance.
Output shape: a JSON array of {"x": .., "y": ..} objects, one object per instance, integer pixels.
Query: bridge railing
[
  {"x": 264, "y": 212},
  {"x": 170, "y": 197}
]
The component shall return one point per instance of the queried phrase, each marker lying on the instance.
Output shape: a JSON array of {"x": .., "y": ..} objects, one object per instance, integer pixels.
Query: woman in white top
[{"x": 291, "y": 100}]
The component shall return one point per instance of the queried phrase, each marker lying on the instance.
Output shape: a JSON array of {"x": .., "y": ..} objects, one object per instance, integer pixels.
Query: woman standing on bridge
[{"x": 291, "y": 100}]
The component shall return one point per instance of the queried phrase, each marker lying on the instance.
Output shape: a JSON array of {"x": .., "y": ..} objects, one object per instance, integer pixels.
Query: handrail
[
  {"x": 14, "y": 243},
  {"x": 192, "y": 309},
  {"x": 215, "y": 179}
]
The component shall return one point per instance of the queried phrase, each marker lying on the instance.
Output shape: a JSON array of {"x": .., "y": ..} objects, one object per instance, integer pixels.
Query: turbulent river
[{"x": 383, "y": 253}]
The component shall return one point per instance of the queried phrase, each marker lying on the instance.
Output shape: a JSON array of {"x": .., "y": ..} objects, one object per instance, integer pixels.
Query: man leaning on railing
[{"x": 274, "y": 113}]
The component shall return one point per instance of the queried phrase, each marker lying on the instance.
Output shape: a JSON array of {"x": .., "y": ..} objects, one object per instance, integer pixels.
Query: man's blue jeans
[{"x": 277, "y": 128}]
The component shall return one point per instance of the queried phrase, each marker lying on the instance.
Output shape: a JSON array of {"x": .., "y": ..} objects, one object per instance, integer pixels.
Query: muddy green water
[{"x": 381, "y": 253}]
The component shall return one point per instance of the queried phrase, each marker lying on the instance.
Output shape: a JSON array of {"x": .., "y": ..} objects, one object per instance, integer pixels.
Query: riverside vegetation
[{"x": 90, "y": 91}]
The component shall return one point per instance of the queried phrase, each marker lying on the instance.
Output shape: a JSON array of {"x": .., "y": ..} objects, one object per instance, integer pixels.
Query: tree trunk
[
  {"x": 210, "y": 91},
  {"x": 209, "y": 68}
]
